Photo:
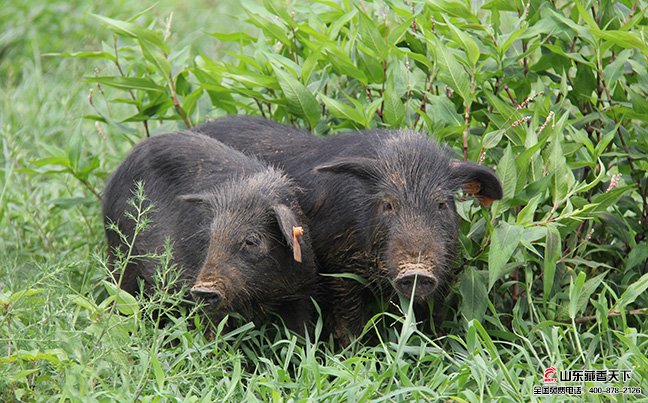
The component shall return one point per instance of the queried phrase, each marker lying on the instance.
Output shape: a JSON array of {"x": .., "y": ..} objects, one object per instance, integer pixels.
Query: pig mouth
[{"x": 218, "y": 300}]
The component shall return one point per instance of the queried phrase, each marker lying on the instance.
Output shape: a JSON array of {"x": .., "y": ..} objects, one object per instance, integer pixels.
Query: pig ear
[
  {"x": 479, "y": 181},
  {"x": 290, "y": 228},
  {"x": 363, "y": 168},
  {"x": 198, "y": 198}
]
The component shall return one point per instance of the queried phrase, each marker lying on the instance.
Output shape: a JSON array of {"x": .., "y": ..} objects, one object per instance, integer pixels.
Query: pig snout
[
  {"x": 417, "y": 279},
  {"x": 209, "y": 295}
]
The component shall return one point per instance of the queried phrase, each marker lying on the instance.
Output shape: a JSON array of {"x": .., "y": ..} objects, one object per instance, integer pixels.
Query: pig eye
[
  {"x": 443, "y": 205},
  {"x": 388, "y": 206},
  {"x": 252, "y": 240}
]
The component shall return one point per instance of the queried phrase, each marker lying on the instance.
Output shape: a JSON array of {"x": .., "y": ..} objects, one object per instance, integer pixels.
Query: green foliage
[{"x": 550, "y": 94}]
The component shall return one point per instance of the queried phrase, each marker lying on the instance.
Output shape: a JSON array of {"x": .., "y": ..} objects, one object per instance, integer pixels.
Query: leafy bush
[
  {"x": 540, "y": 91},
  {"x": 551, "y": 94}
]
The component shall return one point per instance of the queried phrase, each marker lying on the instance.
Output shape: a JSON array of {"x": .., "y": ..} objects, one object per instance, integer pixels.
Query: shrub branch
[
  {"x": 176, "y": 104},
  {"x": 130, "y": 92},
  {"x": 612, "y": 313}
]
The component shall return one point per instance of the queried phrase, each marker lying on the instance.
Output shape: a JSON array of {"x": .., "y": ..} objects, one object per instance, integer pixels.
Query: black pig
[
  {"x": 380, "y": 204},
  {"x": 230, "y": 220}
]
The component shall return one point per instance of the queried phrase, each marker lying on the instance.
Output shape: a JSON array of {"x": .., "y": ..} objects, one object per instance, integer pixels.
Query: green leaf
[
  {"x": 18, "y": 376},
  {"x": 251, "y": 80},
  {"x": 134, "y": 31},
  {"x": 279, "y": 10},
  {"x": 423, "y": 60},
  {"x": 55, "y": 356},
  {"x": 394, "y": 110},
  {"x": 372, "y": 67},
  {"x": 343, "y": 64},
  {"x": 454, "y": 8},
  {"x": 510, "y": 40},
  {"x": 350, "y": 276},
  {"x": 563, "y": 178},
  {"x": 615, "y": 70},
  {"x": 396, "y": 34},
  {"x": 587, "y": 186},
  {"x": 157, "y": 57},
  {"x": 506, "y": 238},
  {"x": 633, "y": 291},
  {"x": 589, "y": 288},
  {"x": 342, "y": 110},
  {"x": 525, "y": 216},
  {"x": 128, "y": 83},
  {"x": 585, "y": 15},
  {"x": 83, "y": 302},
  {"x": 452, "y": 72},
  {"x": 299, "y": 99},
  {"x": 443, "y": 110},
  {"x": 372, "y": 36},
  {"x": 530, "y": 236},
  {"x": 575, "y": 290},
  {"x": 604, "y": 142},
  {"x": 87, "y": 167},
  {"x": 125, "y": 302},
  {"x": 584, "y": 84},
  {"x": 624, "y": 39},
  {"x": 12, "y": 298},
  {"x": 190, "y": 101},
  {"x": 70, "y": 202},
  {"x": 270, "y": 28},
  {"x": 494, "y": 354},
  {"x": 240, "y": 37},
  {"x": 93, "y": 55},
  {"x": 338, "y": 23},
  {"x": 474, "y": 295},
  {"x": 57, "y": 161},
  {"x": 182, "y": 85},
  {"x": 565, "y": 22},
  {"x": 467, "y": 43},
  {"x": 310, "y": 65},
  {"x": 552, "y": 254},
  {"x": 637, "y": 256},
  {"x": 504, "y": 5},
  {"x": 507, "y": 173},
  {"x": 158, "y": 372},
  {"x": 492, "y": 138}
]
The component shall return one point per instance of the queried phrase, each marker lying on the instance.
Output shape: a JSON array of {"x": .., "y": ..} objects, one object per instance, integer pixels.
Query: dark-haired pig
[
  {"x": 233, "y": 222},
  {"x": 380, "y": 204}
]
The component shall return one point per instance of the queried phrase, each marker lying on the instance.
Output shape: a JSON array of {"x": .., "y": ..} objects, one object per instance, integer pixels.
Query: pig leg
[
  {"x": 348, "y": 304},
  {"x": 296, "y": 315}
]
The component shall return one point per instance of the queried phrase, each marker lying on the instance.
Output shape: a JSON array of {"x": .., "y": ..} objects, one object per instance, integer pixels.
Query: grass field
[{"x": 66, "y": 334}]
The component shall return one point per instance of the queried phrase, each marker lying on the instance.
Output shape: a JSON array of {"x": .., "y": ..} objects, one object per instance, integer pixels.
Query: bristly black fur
[
  {"x": 218, "y": 208},
  {"x": 380, "y": 204}
]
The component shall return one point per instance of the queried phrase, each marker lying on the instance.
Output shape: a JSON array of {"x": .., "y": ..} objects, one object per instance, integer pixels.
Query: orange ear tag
[
  {"x": 298, "y": 232},
  {"x": 473, "y": 188}
]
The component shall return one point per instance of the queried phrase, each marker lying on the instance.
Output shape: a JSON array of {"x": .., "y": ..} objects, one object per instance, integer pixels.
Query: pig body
[
  {"x": 380, "y": 203},
  {"x": 230, "y": 221}
]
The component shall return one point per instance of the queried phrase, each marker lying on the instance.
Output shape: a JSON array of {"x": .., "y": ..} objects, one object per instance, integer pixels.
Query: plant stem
[
  {"x": 508, "y": 92},
  {"x": 465, "y": 132},
  {"x": 88, "y": 186},
  {"x": 176, "y": 104},
  {"x": 584, "y": 319},
  {"x": 121, "y": 72}
]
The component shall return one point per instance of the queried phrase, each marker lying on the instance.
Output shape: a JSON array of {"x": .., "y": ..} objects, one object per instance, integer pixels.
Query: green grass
[{"x": 66, "y": 334}]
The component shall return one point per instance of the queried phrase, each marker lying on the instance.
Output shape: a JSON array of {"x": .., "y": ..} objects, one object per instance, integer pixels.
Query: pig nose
[
  {"x": 425, "y": 284},
  {"x": 210, "y": 296}
]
